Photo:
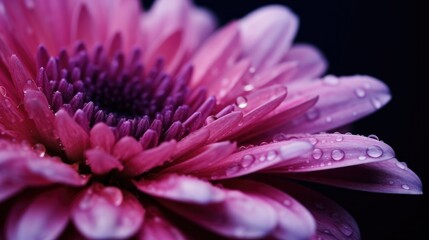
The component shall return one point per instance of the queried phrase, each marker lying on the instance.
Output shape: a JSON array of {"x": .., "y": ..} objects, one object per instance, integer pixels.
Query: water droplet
[
  {"x": 248, "y": 87},
  {"x": 241, "y": 102},
  {"x": 3, "y": 91},
  {"x": 360, "y": 93},
  {"x": 339, "y": 138},
  {"x": 346, "y": 229},
  {"x": 373, "y": 136},
  {"x": 374, "y": 151},
  {"x": 39, "y": 149},
  {"x": 391, "y": 182},
  {"x": 279, "y": 137},
  {"x": 262, "y": 158},
  {"x": 232, "y": 169},
  {"x": 337, "y": 154},
  {"x": 328, "y": 119},
  {"x": 401, "y": 165},
  {"x": 313, "y": 141},
  {"x": 252, "y": 70},
  {"x": 271, "y": 155},
  {"x": 287, "y": 202},
  {"x": 247, "y": 160},
  {"x": 317, "y": 153},
  {"x": 30, "y": 4},
  {"x": 362, "y": 157},
  {"x": 405, "y": 186},
  {"x": 114, "y": 195},
  {"x": 312, "y": 114},
  {"x": 331, "y": 80},
  {"x": 211, "y": 119},
  {"x": 376, "y": 103}
]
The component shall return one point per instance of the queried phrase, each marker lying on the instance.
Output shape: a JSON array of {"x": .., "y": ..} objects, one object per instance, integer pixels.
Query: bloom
[{"x": 116, "y": 124}]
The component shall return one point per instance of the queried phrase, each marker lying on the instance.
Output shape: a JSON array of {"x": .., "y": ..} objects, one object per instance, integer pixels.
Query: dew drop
[
  {"x": 401, "y": 165},
  {"x": 313, "y": 141},
  {"x": 331, "y": 80},
  {"x": 232, "y": 169},
  {"x": 30, "y": 4},
  {"x": 362, "y": 157},
  {"x": 346, "y": 229},
  {"x": 391, "y": 182},
  {"x": 317, "y": 153},
  {"x": 374, "y": 151},
  {"x": 39, "y": 149},
  {"x": 248, "y": 87},
  {"x": 373, "y": 136},
  {"x": 328, "y": 119},
  {"x": 252, "y": 70},
  {"x": 360, "y": 93},
  {"x": 339, "y": 138},
  {"x": 405, "y": 186},
  {"x": 279, "y": 137},
  {"x": 241, "y": 102},
  {"x": 271, "y": 155},
  {"x": 312, "y": 114},
  {"x": 211, "y": 119},
  {"x": 247, "y": 160},
  {"x": 376, "y": 103},
  {"x": 287, "y": 202},
  {"x": 262, "y": 158},
  {"x": 337, "y": 154}
]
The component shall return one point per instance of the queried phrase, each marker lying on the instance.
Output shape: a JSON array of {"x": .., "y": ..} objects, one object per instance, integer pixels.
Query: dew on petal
[
  {"x": 279, "y": 137},
  {"x": 312, "y": 114},
  {"x": 374, "y": 151},
  {"x": 232, "y": 169},
  {"x": 360, "y": 93},
  {"x": 328, "y": 119},
  {"x": 313, "y": 141},
  {"x": 248, "y": 87},
  {"x": 331, "y": 80},
  {"x": 401, "y": 165},
  {"x": 247, "y": 160},
  {"x": 376, "y": 103},
  {"x": 241, "y": 102},
  {"x": 339, "y": 138},
  {"x": 252, "y": 70},
  {"x": 39, "y": 149},
  {"x": 287, "y": 202},
  {"x": 317, "y": 153},
  {"x": 346, "y": 229},
  {"x": 373, "y": 136},
  {"x": 405, "y": 186},
  {"x": 337, "y": 154},
  {"x": 271, "y": 155},
  {"x": 362, "y": 157}
]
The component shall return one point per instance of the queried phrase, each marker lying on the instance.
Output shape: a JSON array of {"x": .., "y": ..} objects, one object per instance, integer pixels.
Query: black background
[{"x": 382, "y": 39}]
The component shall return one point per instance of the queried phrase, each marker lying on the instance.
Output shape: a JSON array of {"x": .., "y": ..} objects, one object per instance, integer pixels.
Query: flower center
[{"x": 150, "y": 105}]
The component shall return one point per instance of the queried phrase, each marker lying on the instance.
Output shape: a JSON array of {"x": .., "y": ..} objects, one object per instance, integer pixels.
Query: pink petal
[
  {"x": 107, "y": 212},
  {"x": 149, "y": 159},
  {"x": 332, "y": 221},
  {"x": 390, "y": 176},
  {"x": 8, "y": 188},
  {"x": 294, "y": 220},
  {"x": 126, "y": 148},
  {"x": 267, "y": 34},
  {"x": 42, "y": 217},
  {"x": 156, "y": 227},
  {"x": 101, "y": 136},
  {"x": 335, "y": 151},
  {"x": 181, "y": 189},
  {"x": 341, "y": 101},
  {"x": 21, "y": 78},
  {"x": 191, "y": 142},
  {"x": 83, "y": 24},
  {"x": 101, "y": 162},
  {"x": 207, "y": 156},
  {"x": 310, "y": 61},
  {"x": 223, "y": 126},
  {"x": 254, "y": 159},
  {"x": 73, "y": 137},
  {"x": 201, "y": 24},
  {"x": 230, "y": 218}
]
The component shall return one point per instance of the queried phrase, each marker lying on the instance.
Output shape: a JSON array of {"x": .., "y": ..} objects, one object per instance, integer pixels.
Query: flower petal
[
  {"x": 107, "y": 212},
  {"x": 155, "y": 226},
  {"x": 254, "y": 159},
  {"x": 390, "y": 176},
  {"x": 341, "y": 101},
  {"x": 223, "y": 126},
  {"x": 101, "y": 162},
  {"x": 41, "y": 217},
  {"x": 335, "y": 151},
  {"x": 267, "y": 34},
  {"x": 101, "y": 136},
  {"x": 74, "y": 139},
  {"x": 181, "y": 188},
  {"x": 294, "y": 220}
]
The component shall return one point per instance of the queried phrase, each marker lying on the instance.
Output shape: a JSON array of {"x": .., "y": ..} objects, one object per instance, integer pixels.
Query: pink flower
[{"x": 119, "y": 124}]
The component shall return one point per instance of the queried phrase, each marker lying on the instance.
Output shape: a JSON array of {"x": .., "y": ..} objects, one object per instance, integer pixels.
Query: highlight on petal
[
  {"x": 43, "y": 216},
  {"x": 107, "y": 213},
  {"x": 155, "y": 226}
]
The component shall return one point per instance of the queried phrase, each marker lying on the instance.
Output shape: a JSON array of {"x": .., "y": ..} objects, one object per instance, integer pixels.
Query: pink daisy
[{"x": 122, "y": 124}]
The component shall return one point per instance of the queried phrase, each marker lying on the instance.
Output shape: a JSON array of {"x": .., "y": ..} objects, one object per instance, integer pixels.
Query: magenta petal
[
  {"x": 254, "y": 159},
  {"x": 223, "y": 127},
  {"x": 335, "y": 151},
  {"x": 182, "y": 189},
  {"x": 149, "y": 159},
  {"x": 101, "y": 162},
  {"x": 8, "y": 188},
  {"x": 390, "y": 176},
  {"x": 73, "y": 137},
  {"x": 157, "y": 227},
  {"x": 267, "y": 34},
  {"x": 341, "y": 101},
  {"x": 126, "y": 148},
  {"x": 107, "y": 213},
  {"x": 191, "y": 142},
  {"x": 42, "y": 217},
  {"x": 101, "y": 136},
  {"x": 310, "y": 61},
  {"x": 238, "y": 216},
  {"x": 294, "y": 220}
]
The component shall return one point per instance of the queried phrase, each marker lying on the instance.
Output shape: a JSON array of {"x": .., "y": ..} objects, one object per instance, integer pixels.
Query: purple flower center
[{"x": 99, "y": 86}]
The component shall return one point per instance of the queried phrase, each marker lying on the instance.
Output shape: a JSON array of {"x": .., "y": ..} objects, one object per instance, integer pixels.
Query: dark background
[{"x": 382, "y": 39}]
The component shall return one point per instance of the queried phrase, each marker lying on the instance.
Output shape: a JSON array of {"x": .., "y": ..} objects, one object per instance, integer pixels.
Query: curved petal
[
  {"x": 41, "y": 217},
  {"x": 107, "y": 212},
  {"x": 101, "y": 136},
  {"x": 181, "y": 189},
  {"x": 341, "y": 101},
  {"x": 390, "y": 176},
  {"x": 156, "y": 227},
  {"x": 101, "y": 162}
]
